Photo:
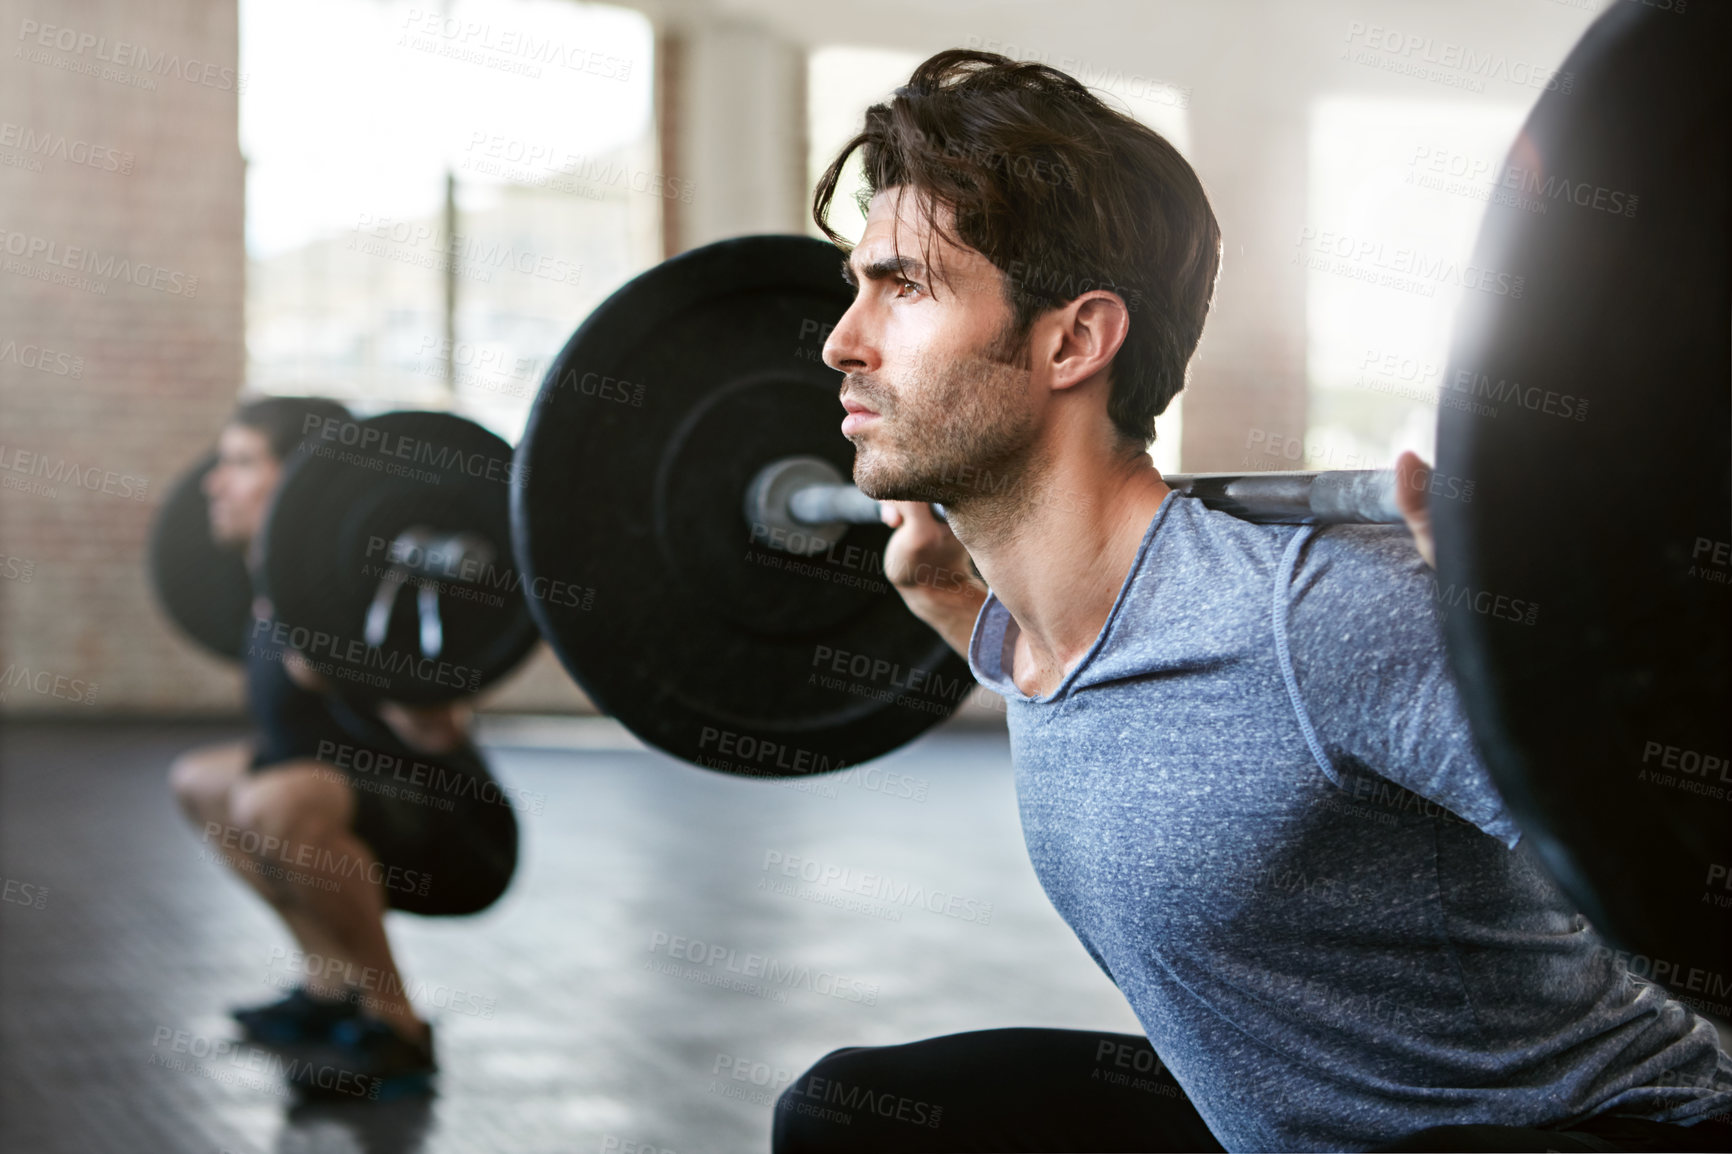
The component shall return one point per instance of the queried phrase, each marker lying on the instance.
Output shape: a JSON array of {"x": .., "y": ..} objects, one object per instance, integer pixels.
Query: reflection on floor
[{"x": 563, "y": 1024}]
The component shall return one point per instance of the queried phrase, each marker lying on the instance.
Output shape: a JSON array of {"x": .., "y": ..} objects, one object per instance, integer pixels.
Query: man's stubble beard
[{"x": 962, "y": 427}]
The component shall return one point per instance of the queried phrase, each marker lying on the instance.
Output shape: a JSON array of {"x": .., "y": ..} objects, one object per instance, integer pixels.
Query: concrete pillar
[
  {"x": 1250, "y": 146},
  {"x": 732, "y": 112}
]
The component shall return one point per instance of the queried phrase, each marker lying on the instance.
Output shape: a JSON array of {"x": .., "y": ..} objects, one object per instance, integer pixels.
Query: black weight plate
[
  {"x": 202, "y": 586},
  {"x": 346, "y": 494},
  {"x": 632, "y": 475},
  {"x": 1598, "y": 440}
]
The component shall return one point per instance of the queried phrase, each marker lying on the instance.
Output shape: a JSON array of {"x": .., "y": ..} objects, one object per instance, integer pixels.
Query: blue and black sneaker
[
  {"x": 300, "y": 1019},
  {"x": 367, "y": 1060}
]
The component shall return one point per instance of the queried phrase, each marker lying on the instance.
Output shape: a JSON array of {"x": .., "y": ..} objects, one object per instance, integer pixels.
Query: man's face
[
  {"x": 241, "y": 485},
  {"x": 936, "y": 409}
]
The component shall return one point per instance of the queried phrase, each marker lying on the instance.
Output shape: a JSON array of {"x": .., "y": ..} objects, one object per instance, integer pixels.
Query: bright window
[
  {"x": 358, "y": 118},
  {"x": 1397, "y": 193}
]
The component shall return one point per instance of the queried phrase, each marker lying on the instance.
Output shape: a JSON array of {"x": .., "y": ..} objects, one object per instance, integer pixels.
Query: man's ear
[{"x": 1089, "y": 332}]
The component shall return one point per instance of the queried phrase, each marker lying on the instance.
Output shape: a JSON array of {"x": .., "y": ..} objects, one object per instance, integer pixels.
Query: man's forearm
[{"x": 429, "y": 729}]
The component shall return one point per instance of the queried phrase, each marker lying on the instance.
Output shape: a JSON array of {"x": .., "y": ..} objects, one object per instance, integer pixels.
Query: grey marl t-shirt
[{"x": 1256, "y": 801}]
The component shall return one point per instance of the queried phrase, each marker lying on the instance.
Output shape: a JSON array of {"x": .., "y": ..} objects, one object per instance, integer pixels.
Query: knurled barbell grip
[{"x": 1331, "y": 497}]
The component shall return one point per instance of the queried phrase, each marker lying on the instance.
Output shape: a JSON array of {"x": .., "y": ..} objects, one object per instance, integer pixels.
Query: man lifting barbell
[
  {"x": 1245, "y": 777},
  {"x": 339, "y": 808}
]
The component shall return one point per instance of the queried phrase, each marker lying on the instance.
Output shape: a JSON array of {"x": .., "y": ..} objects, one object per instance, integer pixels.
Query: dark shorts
[
  {"x": 1057, "y": 1090},
  {"x": 443, "y": 832}
]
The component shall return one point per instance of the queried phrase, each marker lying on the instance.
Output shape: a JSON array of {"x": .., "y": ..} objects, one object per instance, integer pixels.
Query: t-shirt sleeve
[{"x": 1356, "y": 612}]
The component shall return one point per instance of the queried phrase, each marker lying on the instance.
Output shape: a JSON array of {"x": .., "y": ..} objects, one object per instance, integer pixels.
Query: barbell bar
[{"x": 809, "y": 501}]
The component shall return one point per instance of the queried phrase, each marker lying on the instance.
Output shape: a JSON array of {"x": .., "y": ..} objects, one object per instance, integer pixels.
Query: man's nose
[{"x": 847, "y": 349}]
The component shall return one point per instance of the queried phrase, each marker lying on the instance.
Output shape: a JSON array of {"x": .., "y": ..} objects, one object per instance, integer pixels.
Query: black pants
[{"x": 1079, "y": 1090}]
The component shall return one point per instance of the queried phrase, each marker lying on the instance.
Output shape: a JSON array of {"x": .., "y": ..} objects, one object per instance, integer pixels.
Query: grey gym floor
[{"x": 121, "y": 949}]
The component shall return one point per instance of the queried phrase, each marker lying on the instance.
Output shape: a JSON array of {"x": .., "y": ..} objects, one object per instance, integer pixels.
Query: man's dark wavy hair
[
  {"x": 285, "y": 420},
  {"x": 1063, "y": 195}
]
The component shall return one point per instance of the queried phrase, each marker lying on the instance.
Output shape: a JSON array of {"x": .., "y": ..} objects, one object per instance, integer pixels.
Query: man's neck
[{"x": 1057, "y": 555}]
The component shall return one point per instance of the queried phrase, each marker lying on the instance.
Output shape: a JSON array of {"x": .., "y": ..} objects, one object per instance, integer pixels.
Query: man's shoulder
[
  {"x": 1360, "y": 552},
  {"x": 1364, "y": 587},
  {"x": 1202, "y": 593},
  {"x": 1362, "y": 565},
  {"x": 1219, "y": 545}
]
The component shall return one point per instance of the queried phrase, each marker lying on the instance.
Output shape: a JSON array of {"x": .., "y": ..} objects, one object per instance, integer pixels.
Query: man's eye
[{"x": 903, "y": 288}]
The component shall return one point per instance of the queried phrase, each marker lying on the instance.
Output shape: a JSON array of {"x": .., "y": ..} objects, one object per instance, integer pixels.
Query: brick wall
[{"x": 121, "y": 175}]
